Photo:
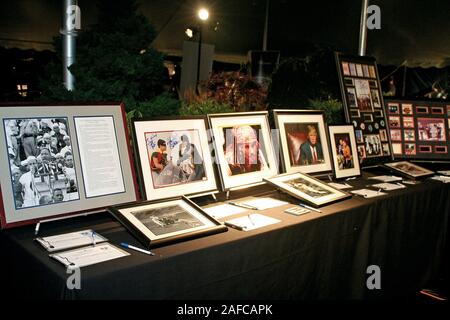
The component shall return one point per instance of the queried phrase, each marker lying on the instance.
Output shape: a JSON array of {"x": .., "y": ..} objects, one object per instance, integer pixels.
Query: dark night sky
[{"x": 413, "y": 30}]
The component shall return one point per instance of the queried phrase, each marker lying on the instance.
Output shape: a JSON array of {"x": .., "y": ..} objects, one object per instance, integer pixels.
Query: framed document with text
[{"x": 60, "y": 160}]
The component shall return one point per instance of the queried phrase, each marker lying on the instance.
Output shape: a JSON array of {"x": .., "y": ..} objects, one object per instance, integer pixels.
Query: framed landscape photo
[
  {"x": 304, "y": 141},
  {"x": 409, "y": 169},
  {"x": 366, "y": 98},
  {"x": 243, "y": 148},
  {"x": 161, "y": 222},
  {"x": 60, "y": 160},
  {"x": 306, "y": 188},
  {"x": 173, "y": 157},
  {"x": 344, "y": 151}
]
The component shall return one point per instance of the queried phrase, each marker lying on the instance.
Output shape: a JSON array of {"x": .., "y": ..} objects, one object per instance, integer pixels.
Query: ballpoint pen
[
  {"x": 128, "y": 246},
  {"x": 250, "y": 219},
  {"x": 243, "y": 205},
  {"x": 308, "y": 207}
]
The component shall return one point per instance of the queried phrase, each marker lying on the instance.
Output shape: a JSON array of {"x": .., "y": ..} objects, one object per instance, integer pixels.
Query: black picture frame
[
  {"x": 148, "y": 238},
  {"x": 369, "y": 129},
  {"x": 403, "y": 167}
]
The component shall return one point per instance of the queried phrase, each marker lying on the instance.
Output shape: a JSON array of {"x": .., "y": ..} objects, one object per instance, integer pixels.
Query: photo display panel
[
  {"x": 419, "y": 130},
  {"x": 364, "y": 108}
]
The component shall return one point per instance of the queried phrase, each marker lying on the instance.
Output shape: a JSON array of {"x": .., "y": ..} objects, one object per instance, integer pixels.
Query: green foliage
[
  {"x": 114, "y": 61},
  {"x": 204, "y": 107},
  {"x": 333, "y": 110}
]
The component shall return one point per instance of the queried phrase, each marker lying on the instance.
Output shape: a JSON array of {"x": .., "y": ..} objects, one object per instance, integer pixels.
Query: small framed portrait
[
  {"x": 308, "y": 189},
  {"x": 410, "y": 149},
  {"x": 363, "y": 96},
  {"x": 243, "y": 148},
  {"x": 373, "y": 145},
  {"x": 345, "y": 68},
  {"x": 375, "y": 98},
  {"x": 160, "y": 222},
  {"x": 173, "y": 157},
  {"x": 372, "y": 72},
  {"x": 361, "y": 152},
  {"x": 430, "y": 129},
  {"x": 359, "y": 70},
  {"x": 386, "y": 150},
  {"x": 366, "y": 71},
  {"x": 304, "y": 141},
  {"x": 394, "y": 122},
  {"x": 359, "y": 136},
  {"x": 408, "y": 122},
  {"x": 393, "y": 108},
  {"x": 396, "y": 135},
  {"x": 407, "y": 109},
  {"x": 352, "y": 69},
  {"x": 343, "y": 149},
  {"x": 409, "y": 169},
  {"x": 351, "y": 94},
  {"x": 409, "y": 135},
  {"x": 62, "y": 160}
]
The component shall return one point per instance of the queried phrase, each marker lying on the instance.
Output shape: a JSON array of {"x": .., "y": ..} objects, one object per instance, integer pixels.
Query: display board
[
  {"x": 62, "y": 159},
  {"x": 419, "y": 130},
  {"x": 364, "y": 107}
]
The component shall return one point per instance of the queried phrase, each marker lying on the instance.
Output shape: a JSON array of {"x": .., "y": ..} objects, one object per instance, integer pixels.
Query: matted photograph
[
  {"x": 359, "y": 70},
  {"x": 352, "y": 69},
  {"x": 243, "y": 148},
  {"x": 409, "y": 169},
  {"x": 157, "y": 223},
  {"x": 408, "y": 122},
  {"x": 431, "y": 129},
  {"x": 373, "y": 145},
  {"x": 304, "y": 141},
  {"x": 361, "y": 152},
  {"x": 394, "y": 122},
  {"x": 351, "y": 93},
  {"x": 62, "y": 160},
  {"x": 409, "y": 135},
  {"x": 41, "y": 161},
  {"x": 383, "y": 135},
  {"x": 307, "y": 188},
  {"x": 345, "y": 68},
  {"x": 410, "y": 149},
  {"x": 397, "y": 148},
  {"x": 375, "y": 99},
  {"x": 174, "y": 157},
  {"x": 363, "y": 96},
  {"x": 344, "y": 151},
  {"x": 407, "y": 109}
]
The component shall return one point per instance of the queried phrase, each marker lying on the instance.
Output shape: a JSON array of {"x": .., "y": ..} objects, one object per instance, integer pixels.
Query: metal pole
[
  {"x": 71, "y": 22},
  {"x": 266, "y": 26},
  {"x": 199, "y": 58},
  {"x": 363, "y": 29}
]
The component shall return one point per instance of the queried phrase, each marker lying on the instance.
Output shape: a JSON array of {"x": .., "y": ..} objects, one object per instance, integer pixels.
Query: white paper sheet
[
  {"x": 339, "y": 186},
  {"x": 100, "y": 161},
  {"x": 367, "y": 193},
  {"x": 70, "y": 240},
  {"x": 389, "y": 186},
  {"x": 89, "y": 255},
  {"x": 444, "y": 173},
  {"x": 443, "y": 179},
  {"x": 265, "y": 203},
  {"x": 223, "y": 210},
  {"x": 251, "y": 222},
  {"x": 387, "y": 178}
]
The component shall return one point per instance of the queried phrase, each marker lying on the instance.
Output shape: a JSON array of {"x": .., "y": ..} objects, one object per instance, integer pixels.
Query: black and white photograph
[
  {"x": 373, "y": 145},
  {"x": 41, "y": 161},
  {"x": 308, "y": 188},
  {"x": 409, "y": 169}
]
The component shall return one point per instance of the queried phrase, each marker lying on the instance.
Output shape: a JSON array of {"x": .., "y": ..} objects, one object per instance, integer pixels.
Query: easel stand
[
  {"x": 212, "y": 194},
  {"x": 38, "y": 224}
]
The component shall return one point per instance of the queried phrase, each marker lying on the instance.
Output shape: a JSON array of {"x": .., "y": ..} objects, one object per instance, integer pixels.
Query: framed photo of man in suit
[{"x": 304, "y": 141}]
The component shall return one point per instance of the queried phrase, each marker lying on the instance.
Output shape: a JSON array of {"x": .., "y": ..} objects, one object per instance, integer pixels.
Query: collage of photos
[
  {"x": 419, "y": 130},
  {"x": 175, "y": 157},
  {"x": 41, "y": 161},
  {"x": 364, "y": 107}
]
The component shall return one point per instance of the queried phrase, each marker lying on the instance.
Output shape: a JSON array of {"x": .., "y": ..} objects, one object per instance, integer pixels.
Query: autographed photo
[
  {"x": 174, "y": 157},
  {"x": 344, "y": 151}
]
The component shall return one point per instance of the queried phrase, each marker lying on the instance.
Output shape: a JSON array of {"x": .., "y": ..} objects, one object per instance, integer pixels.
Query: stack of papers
[
  {"x": 443, "y": 179},
  {"x": 389, "y": 186},
  {"x": 387, "y": 178},
  {"x": 251, "y": 222},
  {"x": 265, "y": 203},
  {"x": 367, "y": 193},
  {"x": 339, "y": 186},
  {"x": 223, "y": 210},
  {"x": 70, "y": 240}
]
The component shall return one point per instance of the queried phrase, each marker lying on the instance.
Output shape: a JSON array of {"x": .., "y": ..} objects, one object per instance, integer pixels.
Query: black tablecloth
[{"x": 314, "y": 256}]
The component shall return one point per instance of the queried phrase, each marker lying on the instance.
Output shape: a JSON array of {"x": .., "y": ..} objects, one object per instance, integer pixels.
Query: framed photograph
[
  {"x": 359, "y": 70},
  {"x": 62, "y": 160},
  {"x": 407, "y": 109},
  {"x": 421, "y": 110},
  {"x": 373, "y": 145},
  {"x": 307, "y": 188},
  {"x": 174, "y": 157},
  {"x": 383, "y": 135},
  {"x": 352, "y": 69},
  {"x": 409, "y": 169},
  {"x": 345, "y": 68},
  {"x": 359, "y": 136},
  {"x": 365, "y": 96},
  {"x": 393, "y": 108},
  {"x": 396, "y": 135},
  {"x": 160, "y": 222},
  {"x": 394, "y": 122},
  {"x": 304, "y": 141},
  {"x": 243, "y": 148},
  {"x": 408, "y": 122},
  {"x": 344, "y": 151},
  {"x": 409, "y": 135},
  {"x": 410, "y": 149},
  {"x": 397, "y": 148}
]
